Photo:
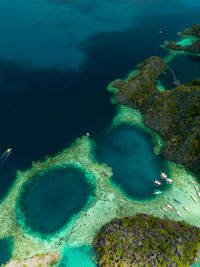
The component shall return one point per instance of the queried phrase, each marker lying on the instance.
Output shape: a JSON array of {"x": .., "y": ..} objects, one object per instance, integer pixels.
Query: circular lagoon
[
  {"x": 5, "y": 250},
  {"x": 48, "y": 202},
  {"x": 129, "y": 151}
]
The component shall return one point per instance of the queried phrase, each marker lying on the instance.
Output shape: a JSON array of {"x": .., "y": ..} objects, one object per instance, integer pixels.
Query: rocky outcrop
[
  {"x": 174, "y": 114},
  {"x": 139, "y": 89},
  {"x": 144, "y": 240},
  {"x": 194, "y": 30},
  {"x": 43, "y": 260},
  {"x": 192, "y": 48}
]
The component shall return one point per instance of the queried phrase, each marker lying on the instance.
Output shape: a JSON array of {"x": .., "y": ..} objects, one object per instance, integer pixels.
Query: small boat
[
  {"x": 163, "y": 175},
  {"x": 165, "y": 210},
  {"x": 194, "y": 199},
  {"x": 169, "y": 181},
  {"x": 196, "y": 187},
  {"x": 156, "y": 182},
  {"x": 169, "y": 206},
  {"x": 157, "y": 192},
  {"x": 177, "y": 201},
  {"x": 87, "y": 134},
  {"x": 186, "y": 209},
  {"x": 9, "y": 150},
  {"x": 192, "y": 182},
  {"x": 198, "y": 194},
  {"x": 178, "y": 213}
]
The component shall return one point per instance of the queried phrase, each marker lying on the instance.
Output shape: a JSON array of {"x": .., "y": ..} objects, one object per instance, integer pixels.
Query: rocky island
[
  {"x": 144, "y": 240},
  {"x": 192, "y": 48},
  {"x": 174, "y": 114}
]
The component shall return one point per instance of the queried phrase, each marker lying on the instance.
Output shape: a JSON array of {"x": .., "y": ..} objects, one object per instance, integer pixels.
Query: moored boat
[
  {"x": 192, "y": 182},
  {"x": 169, "y": 181},
  {"x": 178, "y": 213},
  {"x": 157, "y": 192},
  {"x": 198, "y": 194},
  {"x": 163, "y": 175},
  {"x": 156, "y": 182},
  {"x": 177, "y": 201},
  {"x": 186, "y": 209},
  {"x": 194, "y": 199},
  {"x": 169, "y": 206},
  {"x": 164, "y": 209},
  {"x": 196, "y": 187}
]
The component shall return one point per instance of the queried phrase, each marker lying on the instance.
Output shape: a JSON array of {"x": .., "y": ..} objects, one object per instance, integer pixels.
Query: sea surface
[{"x": 56, "y": 59}]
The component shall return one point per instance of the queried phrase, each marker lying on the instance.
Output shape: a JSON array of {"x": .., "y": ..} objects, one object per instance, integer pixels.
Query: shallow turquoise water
[
  {"x": 51, "y": 199},
  {"x": 129, "y": 151},
  {"x": 5, "y": 250},
  {"x": 78, "y": 257}
]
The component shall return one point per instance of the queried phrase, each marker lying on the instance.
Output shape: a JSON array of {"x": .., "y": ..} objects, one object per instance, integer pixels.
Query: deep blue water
[
  {"x": 56, "y": 58},
  {"x": 186, "y": 68},
  {"x": 5, "y": 250},
  {"x": 129, "y": 151},
  {"x": 50, "y": 200}
]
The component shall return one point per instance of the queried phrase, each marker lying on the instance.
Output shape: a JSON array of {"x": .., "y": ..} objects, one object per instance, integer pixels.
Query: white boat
[
  {"x": 192, "y": 182},
  {"x": 196, "y": 187},
  {"x": 198, "y": 194},
  {"x": 157, "y": 192},
  {"x": 157, "y": 182},
  {"x": 165, "y": 210},
  {"x": 194, "y": 199},
  {"x": 169, "y": 181},
  {"x": 186, "y": 209},
  {"x": 169, "y": 206},
  {"x": 178, "y": 213},
  {"x": 163, "y": 175}
]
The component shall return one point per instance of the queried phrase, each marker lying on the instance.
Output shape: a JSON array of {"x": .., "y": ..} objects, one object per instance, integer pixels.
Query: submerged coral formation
[
  {"x": 144, "y": 240},
  {"x": 173, "y": 114},
  {"x": 44, "y": 260}
]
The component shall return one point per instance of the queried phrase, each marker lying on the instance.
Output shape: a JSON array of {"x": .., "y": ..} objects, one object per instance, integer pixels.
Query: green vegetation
[
  {"x": 174, "y": 114},
  {"x": 144, "y": 240}
]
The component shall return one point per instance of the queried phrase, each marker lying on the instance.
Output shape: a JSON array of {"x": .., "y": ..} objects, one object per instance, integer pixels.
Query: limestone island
[
  {"x": 174, "y": 114},
  {"x": 44, "y": 260},
  {"x": 144, "y": 240},
  {"x": 192, "y": 48}
]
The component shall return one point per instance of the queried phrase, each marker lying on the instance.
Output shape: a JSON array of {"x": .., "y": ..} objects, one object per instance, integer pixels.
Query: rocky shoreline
[
  {"x": 144, "y": 240},
  {"x": 44, "y": 260},
  {"x": 192, "y": 48},
  {"x": 174, "y": 114}
]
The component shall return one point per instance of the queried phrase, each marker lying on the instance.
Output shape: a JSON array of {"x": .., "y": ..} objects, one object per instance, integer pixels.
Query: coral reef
[{"x": 44, "y": 260}]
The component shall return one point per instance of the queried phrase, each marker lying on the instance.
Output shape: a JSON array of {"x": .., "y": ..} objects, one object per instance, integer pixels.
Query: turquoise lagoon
[{"x": 129, "y": 151}]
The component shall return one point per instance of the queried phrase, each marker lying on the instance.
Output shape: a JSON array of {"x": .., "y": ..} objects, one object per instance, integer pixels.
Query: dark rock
[
  {"x": 194, "y": 30},
  {"x": 118, "y": 83}
]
